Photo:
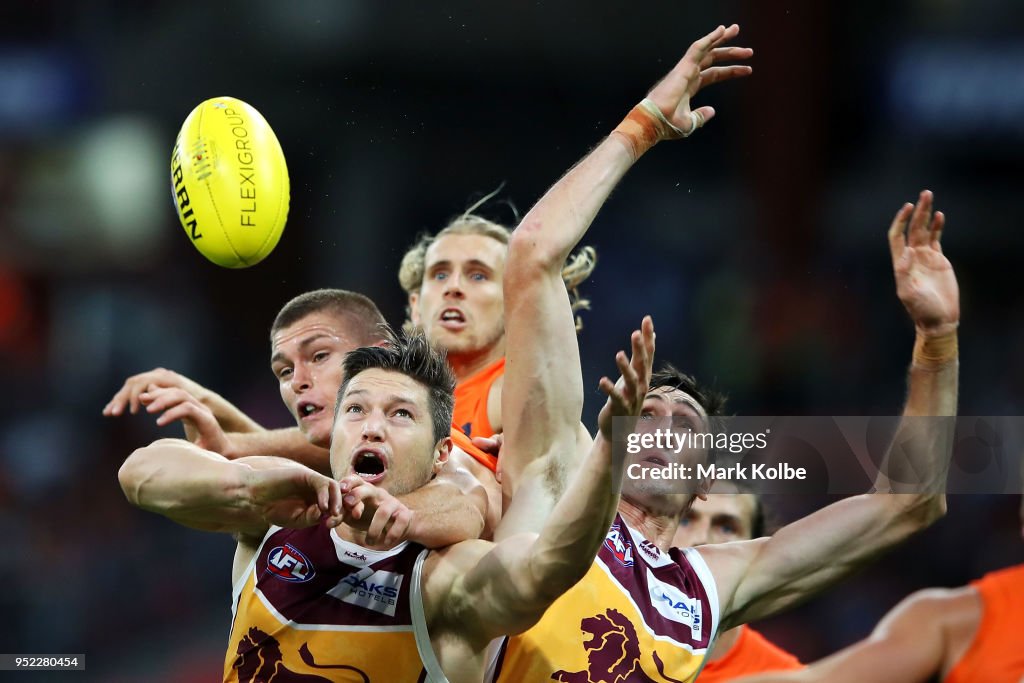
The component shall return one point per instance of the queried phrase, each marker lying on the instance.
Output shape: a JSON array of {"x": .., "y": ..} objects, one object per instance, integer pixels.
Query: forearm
[
  {"x": 559, "y": 220},
  {"x": 286, "y": 443},
  {"x": 189, "y": 485},
  {"x": 444, "y": 513},
  {"x": 918, "y": 460},
  {"x": 229, "y": 416}
]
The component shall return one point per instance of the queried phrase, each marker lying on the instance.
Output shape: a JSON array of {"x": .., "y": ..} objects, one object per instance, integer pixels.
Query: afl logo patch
[
  {"x": 616, "y": 544},
  {"x": 287, "y": 563}
]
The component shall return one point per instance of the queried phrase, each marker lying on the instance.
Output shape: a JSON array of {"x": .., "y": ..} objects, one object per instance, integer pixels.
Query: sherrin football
[{"x": 230, "y": 182}]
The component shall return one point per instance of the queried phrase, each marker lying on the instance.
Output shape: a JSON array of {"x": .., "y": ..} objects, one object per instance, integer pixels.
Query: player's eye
[
  {"x": 440, "y": 275},
  {"x": 284, "y": 373},
  {"x": 478, "y": 277},
  {"x": 402, "y": 412},
  {"x": 354, "y": 408},
  {"x": 321, "y": 356},
  {"x": 647, "y": 415}
]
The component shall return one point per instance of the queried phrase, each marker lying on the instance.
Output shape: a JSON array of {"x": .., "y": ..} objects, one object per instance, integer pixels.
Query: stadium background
[{"x": 758, "y": 246}]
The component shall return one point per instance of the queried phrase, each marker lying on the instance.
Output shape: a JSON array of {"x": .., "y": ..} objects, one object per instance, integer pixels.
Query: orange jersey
[
  {"x": 638, "y": 615},
  {"x": 996, "y": 653},
  {"x": 751, "y": 653},
  {"x": 460, "y": 439},
  {"x": 316, "y": 608},
  {"x": 471, "y": 400}
]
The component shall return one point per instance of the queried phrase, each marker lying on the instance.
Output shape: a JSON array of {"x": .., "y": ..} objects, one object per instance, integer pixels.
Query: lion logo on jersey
[
  {"x": 613, "y": 653},
  {"x": 260, "y": 661}
]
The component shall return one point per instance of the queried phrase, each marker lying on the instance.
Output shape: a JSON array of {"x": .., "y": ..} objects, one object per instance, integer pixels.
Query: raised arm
[
  {"x": 921, "y": 638},
  {"x": 542, "y": 397},
  {"x": 761, "y": 577},
  {"x": 479, "y": 591}
]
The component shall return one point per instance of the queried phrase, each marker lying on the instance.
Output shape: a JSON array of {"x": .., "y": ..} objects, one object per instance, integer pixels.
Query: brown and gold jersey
[
  {"x": 638, "y": 615},
  {"x": 316, "y": 608}
]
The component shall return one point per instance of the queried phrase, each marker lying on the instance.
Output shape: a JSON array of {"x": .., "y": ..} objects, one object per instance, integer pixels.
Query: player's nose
[
  {"x": 373, "y": 427},
  {"x": 302, "y": 378},
  {"x": 453, "y": 286}
]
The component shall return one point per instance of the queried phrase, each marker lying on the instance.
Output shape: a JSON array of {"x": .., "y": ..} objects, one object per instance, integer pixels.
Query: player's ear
[
  {"x": 413, "y": 309},
  {"x": 442, "y": 451},
  {"x": 704, "y": 486}
]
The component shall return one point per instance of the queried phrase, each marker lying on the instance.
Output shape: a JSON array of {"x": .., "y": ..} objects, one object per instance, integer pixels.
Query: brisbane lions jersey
[
  {"x": 316, "y": 608},
  {"x": 638, "y": 615}
]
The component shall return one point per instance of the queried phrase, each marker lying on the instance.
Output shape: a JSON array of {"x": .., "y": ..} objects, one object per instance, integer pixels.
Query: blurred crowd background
[{"x": 758, "y": 246}]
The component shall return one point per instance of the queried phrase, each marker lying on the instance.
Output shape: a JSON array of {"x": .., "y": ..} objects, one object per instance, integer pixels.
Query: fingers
[
  {"x": 398, "y": 531},
  {"x": 647, "y": 329},
  {"x": 938, "y": 223},
  {"x": 490, "y": 445},
  {"x": 716, "y": 74},
  {"x": 919, "y": 234},
  {"x": 128, "y": 395},
  {"x": 703, "y": 115},
  {"x": 608, "y": 387},
  {"x": 390, "y": 523},
  {"x": 897, "y": 240},
  {"x": 721, "y": 54},
  {"x": 384, "y": 517},
  {"x": 329, "y": 501},
  {"x": 186, "y": 411},
  {"x": 716, "y": 37},
  {"x": 676, "y": 82},
  {"x": 157, "y": 399}
]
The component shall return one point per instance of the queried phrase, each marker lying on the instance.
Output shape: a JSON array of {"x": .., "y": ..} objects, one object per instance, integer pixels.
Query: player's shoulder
[{"x": 950, "y": 609}]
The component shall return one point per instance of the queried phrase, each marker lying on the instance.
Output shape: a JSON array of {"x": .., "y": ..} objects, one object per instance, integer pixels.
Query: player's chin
[{"x": 317, "y": 434}]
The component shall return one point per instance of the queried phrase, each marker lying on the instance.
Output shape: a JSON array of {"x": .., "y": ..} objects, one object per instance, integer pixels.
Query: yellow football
[{"x": 230, "y": 182}]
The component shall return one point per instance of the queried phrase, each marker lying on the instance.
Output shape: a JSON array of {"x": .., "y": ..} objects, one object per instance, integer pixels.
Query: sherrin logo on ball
[{"x": 230, "y": 182}]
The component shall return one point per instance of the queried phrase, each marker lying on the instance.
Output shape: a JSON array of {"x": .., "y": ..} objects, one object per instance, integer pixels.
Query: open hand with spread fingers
[
  {"x": 925, "y": 281},
  {"x": 699, "y": 67}
]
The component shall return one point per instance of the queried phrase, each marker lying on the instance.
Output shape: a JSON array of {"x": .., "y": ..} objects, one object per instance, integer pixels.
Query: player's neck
[
  {"x": 657, "y": 528},
  {"x": 347, "y": 533},
  {"x": 465, "y": 365}
]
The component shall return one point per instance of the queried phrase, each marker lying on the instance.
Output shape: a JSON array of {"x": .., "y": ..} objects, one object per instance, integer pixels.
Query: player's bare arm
[
  {"x": 758, "y": 578},
  {"x": 476, "y": 591},
  {"x": 230, "y": 418},
  {"x": 542, "y": 395},
  {"x": 921, "y": 638},
  {"x": 450, "y": 509},
  {"x": 204, "y": 490}
]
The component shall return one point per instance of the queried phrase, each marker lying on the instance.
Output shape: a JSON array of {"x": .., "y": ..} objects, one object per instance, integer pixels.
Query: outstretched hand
[
  {"x": 925, "y": 281},
  {"x": 129, "y": 395},
  {"x": 626, "y": 396},
  {"x": 698, "y": 68}
]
